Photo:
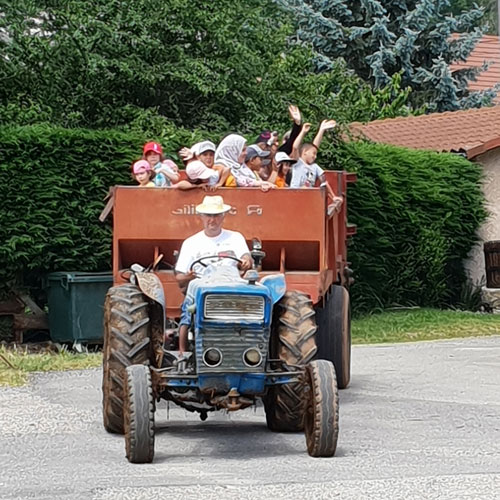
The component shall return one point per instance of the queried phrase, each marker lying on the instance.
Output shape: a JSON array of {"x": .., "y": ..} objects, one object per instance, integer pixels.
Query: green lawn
[
  {"x": 411, "y": 325},
  {"x": 16, "y": 365}
]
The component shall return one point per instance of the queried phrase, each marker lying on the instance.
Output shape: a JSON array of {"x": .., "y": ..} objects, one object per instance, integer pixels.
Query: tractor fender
[
  {"x": 150, "y": 285},
  {"x": 276, "y": 285}
]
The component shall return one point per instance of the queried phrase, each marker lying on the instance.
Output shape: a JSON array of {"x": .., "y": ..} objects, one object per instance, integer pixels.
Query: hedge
[
  {"x": 416, "y": 212},
  {"x": 53, "y": 183}
]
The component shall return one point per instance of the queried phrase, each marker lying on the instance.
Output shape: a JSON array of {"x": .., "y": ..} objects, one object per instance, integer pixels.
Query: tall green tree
[
  {"x": 489, "y": 21},
  {"x": 215, "y": 65},
  {"x": 379, "y": 38}
]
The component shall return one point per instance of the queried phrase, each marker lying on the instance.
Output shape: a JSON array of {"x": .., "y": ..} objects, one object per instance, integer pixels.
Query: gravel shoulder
[{"x": 418, "y": 421}]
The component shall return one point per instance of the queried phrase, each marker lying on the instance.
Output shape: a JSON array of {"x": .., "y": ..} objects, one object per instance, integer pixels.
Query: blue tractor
[{"x": 250, "y": 339}]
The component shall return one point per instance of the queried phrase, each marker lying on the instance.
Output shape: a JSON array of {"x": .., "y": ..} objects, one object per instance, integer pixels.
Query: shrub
[{"x": 417, "y": 213}]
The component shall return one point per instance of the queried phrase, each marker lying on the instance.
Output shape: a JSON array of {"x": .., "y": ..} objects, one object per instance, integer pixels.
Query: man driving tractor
[{"x": 213, "y": 246}]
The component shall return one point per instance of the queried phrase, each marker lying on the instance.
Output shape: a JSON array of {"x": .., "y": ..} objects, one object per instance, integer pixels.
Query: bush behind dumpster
[{"x": 416, "y": 212}]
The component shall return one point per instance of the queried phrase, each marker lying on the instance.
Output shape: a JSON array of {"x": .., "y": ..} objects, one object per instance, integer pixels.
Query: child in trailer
[
  {"x": 166, "y": 170},
  {"x": 247, "y": 174},
  {"x": 306, "y": 172},
  {"x": 200, "y": 168},
  {"x": 284, "y": 163},
  {"x": 143, "y": 173}
]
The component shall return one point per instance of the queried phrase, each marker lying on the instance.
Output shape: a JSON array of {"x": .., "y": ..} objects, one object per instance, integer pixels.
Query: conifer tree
[{"x": 379, "y": 38}]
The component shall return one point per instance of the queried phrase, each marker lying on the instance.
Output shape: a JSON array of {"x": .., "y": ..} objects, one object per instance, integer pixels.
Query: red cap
[{"x": 152, "y": 146}]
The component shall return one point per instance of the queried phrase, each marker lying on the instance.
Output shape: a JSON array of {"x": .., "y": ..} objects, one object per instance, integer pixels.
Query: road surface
[{"x": 419, "y": 421}]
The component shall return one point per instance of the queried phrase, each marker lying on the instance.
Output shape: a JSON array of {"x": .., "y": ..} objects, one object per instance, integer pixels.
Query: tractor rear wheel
[
  {"x": 334, "y": 333},
  {"x": 321, "y": 420},
  {"x": 292, "y": 341},
  {"x": 126, "y": 343},
  {"x": 138, "y": 415}
]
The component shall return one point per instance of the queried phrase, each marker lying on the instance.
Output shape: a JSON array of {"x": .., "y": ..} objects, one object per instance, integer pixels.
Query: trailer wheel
[
  {"x": 334, "y": 333},
  {"x": 321, "y": 420},
  {"x": 138, "y": 415},
  {"x": 292, "y": 341},
  {"x": 126, "y": 342}
]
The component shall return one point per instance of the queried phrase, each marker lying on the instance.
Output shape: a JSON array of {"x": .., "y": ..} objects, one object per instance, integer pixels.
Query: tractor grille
[
  {"x": 234, "y": 307},
  {"x": 232, "y": 343}
]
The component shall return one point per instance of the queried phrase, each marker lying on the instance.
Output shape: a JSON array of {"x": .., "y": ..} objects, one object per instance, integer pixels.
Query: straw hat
[{"x": 212, "y": 205}]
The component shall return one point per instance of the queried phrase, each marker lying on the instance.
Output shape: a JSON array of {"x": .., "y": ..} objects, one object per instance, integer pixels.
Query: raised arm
[
  {"x": 296, "y": 117},
  {"x": 324, "y": 126},
  {"x": 298, "y": 141}
]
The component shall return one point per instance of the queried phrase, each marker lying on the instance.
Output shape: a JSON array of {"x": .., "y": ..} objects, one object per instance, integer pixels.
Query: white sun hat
[{"x": 212, "y": 205}]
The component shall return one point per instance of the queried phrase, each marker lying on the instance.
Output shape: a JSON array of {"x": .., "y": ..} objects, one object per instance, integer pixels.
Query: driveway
[{"x": 419, "y": 421}]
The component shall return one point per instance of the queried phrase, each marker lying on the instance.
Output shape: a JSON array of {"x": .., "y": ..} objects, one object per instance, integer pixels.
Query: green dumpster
[{"x": 76, "y": 302}]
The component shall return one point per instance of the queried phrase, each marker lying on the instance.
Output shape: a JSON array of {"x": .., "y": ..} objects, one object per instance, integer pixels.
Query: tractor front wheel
[
  {"x": 321, "y": 422},
  {"x": 292, "y": 341},
  {"x": 139, "y": 415},
  {"x": 126, "y": 343}
]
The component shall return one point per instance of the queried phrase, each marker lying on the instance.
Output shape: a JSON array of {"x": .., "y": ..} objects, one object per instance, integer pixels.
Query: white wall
[{"x": 490, "y": 230}]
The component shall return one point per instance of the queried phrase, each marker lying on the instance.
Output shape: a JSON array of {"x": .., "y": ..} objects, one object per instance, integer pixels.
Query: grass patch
[
  {"x": 411, "y": 325},
  {"x": 15, "y": 365}
]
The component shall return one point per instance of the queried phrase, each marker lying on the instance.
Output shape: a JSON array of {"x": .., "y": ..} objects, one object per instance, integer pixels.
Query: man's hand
[
  {"x": 306, "y": 127},
  {"x": 183, "y": 279},
  {"x": 294, "y": 113},
  {"x": 328, "y": 124},
  {"x": 246, "y": 262}
]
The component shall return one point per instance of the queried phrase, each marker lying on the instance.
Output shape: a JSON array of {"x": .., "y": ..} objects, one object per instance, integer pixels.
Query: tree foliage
[
  {"x": 221, "y": 65},
  {"x": 378, "y": 38},
  {"x": 490, "y": 19}
]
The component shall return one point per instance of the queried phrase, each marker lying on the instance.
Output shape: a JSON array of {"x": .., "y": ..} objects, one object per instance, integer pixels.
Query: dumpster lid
[{"x": 81, "y": 277}]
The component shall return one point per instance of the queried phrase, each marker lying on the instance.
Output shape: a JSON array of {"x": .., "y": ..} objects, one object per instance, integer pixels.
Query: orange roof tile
[
  {"x": 472, "y": 131},
  {"x": 487, "y": 50}
]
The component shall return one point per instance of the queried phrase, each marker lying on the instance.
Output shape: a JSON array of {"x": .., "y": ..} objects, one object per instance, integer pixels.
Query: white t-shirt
[
  {"x": 304, "y": 175},
  {"x": 200, "y": 245}
]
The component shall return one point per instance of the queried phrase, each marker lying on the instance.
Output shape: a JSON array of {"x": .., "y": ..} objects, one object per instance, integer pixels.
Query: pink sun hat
[
  {"x": 198, "y": 170},
  {"x": 141, "y": 166}
]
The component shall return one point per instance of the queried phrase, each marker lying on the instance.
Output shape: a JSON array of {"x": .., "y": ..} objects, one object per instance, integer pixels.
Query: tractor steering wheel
[{"x": 201, "y": 259}]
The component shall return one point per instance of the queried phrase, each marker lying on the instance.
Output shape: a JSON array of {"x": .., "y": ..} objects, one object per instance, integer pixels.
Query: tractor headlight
[
  {"x": 252, "y": 357},
  {"x": 212, "y": 357}
]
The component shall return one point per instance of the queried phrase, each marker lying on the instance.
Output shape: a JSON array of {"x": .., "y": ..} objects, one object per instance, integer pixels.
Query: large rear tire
[
  {"x": 334, "y": 333},
  {"x": 126, "y": 343},
  {"x": 292, "y": 341},
  {"x": 321, "y": 422},
  {"x": 138, "y": 415}
]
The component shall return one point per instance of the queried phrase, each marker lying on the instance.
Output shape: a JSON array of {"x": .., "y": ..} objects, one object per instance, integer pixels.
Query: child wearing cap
[
  {"x": 205, "y": 152},
  {"x": 200, "y": 168},
  {"x": 246, "y": 175},
  {"x": 284, "y": 163},
  {"x": 143, "y": 173},
  {"x": 166, "y": 171}
]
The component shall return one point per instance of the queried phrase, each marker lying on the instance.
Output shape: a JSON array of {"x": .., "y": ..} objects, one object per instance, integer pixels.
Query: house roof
[
  {"x": 487, "y": 50},
  {"x": 472, "y": 131}
]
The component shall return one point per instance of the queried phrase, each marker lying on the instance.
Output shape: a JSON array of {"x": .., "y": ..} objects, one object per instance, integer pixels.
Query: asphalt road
[{"x": 419, "y": 421}]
